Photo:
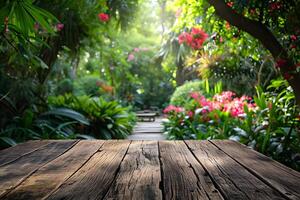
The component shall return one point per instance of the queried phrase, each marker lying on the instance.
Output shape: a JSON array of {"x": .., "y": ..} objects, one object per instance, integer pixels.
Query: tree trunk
[
  {"x": 264, "y": 35},
  {"x": 180, "y": 74}
]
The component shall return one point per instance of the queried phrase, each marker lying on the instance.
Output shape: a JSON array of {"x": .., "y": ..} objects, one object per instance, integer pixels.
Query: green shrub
[
  {"x": 108, "y": 120},
  {"x": 56, "y": 123},
  {"x": 87, "y": 85},
  {"x": 268, "y": 123},
  {"x": 64, "y": 86},
  {"x": 181, "y": 94}
]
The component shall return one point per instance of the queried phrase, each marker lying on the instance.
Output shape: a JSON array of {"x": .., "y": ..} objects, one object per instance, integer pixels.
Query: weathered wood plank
[
  {"x": 232, "y": 179},
  {"x": 284, "y": 179},
  {"x": 139, "y": 176},
  {"x": 183, "y": 176},
  {"x": 51, "y": 175},
  {"x": 93, "y": 180},
  {"x": 13, "y": 153},
  {"x": 12, "y": 174}
]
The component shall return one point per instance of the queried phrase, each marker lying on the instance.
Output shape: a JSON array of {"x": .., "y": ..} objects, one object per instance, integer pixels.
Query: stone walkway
[{"x": 148, "y": 131}]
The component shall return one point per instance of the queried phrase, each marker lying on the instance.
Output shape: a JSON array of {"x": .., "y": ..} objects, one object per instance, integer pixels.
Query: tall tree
[{"x": 259, "y": 29}]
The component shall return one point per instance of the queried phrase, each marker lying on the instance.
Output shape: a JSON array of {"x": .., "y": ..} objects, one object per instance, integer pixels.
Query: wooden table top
[{"x": 124, "y": 169}]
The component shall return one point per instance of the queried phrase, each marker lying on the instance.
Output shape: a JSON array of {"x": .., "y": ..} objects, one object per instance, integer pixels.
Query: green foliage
[
  {"x": 54, "y": 124},
  {"x": 108, "y": 120},
  {"x": 87, "y": 85},
  {"x": 182, "y": 93},
  {"x": 270, "y": 126},
  {"x": 64, "y": 86},
  {"x": 236, "y": 73},
  {"x": 273, "y": 128}
]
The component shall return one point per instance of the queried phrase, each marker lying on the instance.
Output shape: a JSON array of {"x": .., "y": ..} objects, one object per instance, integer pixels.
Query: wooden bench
[
  {"x": 124, "y": 169},
  {"x": 149, "y": 116}
]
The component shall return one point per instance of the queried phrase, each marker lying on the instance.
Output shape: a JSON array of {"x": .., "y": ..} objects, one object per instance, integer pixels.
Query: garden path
[{"x": 148, "y": 131}]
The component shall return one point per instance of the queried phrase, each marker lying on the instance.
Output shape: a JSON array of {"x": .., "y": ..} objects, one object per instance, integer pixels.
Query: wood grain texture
[
  {"x": 12, "y": 174},
  {"x": 13, "y": 153},
  {"x": 284, "y": 179},
  {"x": 139, "y": 176},
  {"x": 232, "y": 179},
  {"x": 93, "y": 180},
  {"x": 51, "y": 175},
  {"x": 183, "y": 176}
]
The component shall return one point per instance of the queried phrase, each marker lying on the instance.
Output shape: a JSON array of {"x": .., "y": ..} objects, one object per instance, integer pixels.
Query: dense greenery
[{"x": 268, "y": 123}]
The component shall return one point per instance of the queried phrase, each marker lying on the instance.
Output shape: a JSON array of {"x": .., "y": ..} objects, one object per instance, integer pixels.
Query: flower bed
[{"x": 269, "y": 122}]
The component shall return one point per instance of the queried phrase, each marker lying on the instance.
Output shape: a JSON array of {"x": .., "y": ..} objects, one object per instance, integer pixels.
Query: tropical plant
[
  {"x": 269, "y": 122},
  {"x": 19, "y": 126},
  {"x": 108, "y": 120}
]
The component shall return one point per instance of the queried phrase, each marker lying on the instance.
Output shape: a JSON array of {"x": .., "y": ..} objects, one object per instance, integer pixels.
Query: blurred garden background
[{"x": 216, "y": 69}]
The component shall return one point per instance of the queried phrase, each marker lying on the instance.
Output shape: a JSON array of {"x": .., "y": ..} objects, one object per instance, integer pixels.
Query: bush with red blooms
[
  {"x": 194, "y": 39},
  {"x": 103, "y": 17},
  {"x": 219, "y": 113},
  {"x": 269, "y": 122}
]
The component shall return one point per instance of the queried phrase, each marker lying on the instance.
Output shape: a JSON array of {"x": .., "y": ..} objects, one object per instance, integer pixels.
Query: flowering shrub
[
  {"x": 269, "y": 122},
  {"x": 200, "y": 115},
  {"x": 194, "y": 39},
  {"x": 172, "y": 108}
]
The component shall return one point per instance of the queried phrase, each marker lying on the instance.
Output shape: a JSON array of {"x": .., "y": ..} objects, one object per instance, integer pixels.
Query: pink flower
[
  {"x": 59, "y": 26},
  {"x": 293, "y": 37},
  {"x": 136, "y": 49},
  {"x": 172, "y": 108},
  {"x": 130, "y": 57},
  {"x": 103, "y": 17},
  {"x": 221, "y": 39},
  {"x": 230, "y": 4},
  {"x": 195, "y": 95},
  {"x": 190, "y": 114}
]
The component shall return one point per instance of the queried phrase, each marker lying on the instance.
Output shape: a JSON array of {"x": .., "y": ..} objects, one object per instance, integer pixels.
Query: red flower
[
  {"x": 195, "y": 39},
  {"x": 287, "y": 76},
  {"x": 103, "y": 17},
  {"x": 293, "y": 46},
  {"x": 275, "y": 6},
  {"x": 252, "y": 11},
  {"x": 230, "y": 4},
  {"x": 293, "y": 37},
  {"x": 185, "y": 38},
  {"x": 280, "y": 63}
]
